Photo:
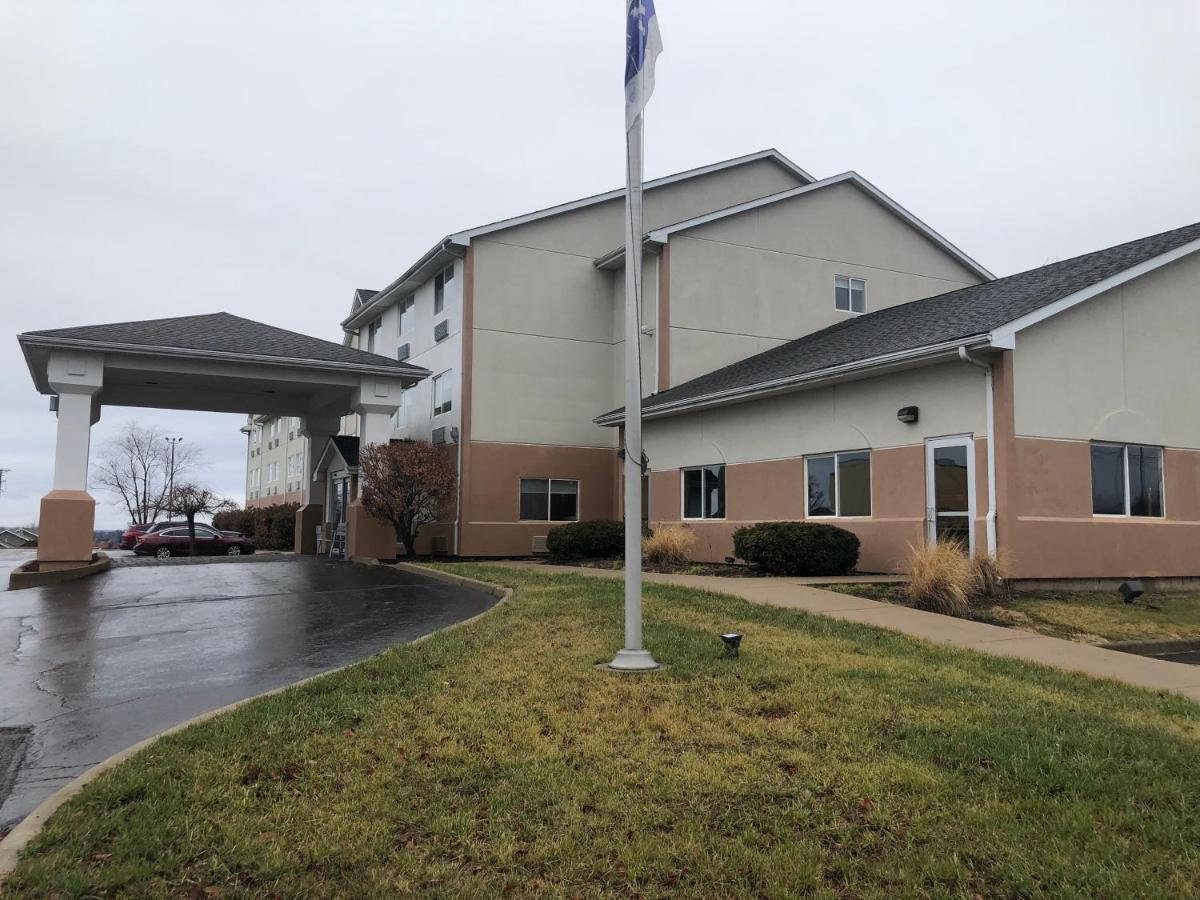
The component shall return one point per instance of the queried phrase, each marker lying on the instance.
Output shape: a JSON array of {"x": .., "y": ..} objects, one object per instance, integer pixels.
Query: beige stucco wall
[
  {"x": 849, "y": 416},
  {"x": 1120, "y": 367},
  {"x": 744, "y": 284}
]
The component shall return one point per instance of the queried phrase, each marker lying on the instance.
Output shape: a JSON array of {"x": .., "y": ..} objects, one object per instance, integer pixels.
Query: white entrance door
[{"x": 950, "y": 490}]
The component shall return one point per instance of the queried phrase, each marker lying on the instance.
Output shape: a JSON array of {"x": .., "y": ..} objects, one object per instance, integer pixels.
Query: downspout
[
  {"x": 457, "y": 488},
  {"x": 989, "y": 388}
]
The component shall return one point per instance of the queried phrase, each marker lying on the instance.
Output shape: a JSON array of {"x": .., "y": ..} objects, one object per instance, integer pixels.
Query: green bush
[
  {"x": 235, "y": 520},
  {"x": 596, "y": 539},
  {"x": 797, "y": 548}
]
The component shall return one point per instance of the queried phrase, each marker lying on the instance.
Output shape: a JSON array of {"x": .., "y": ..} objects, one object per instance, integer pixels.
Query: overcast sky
[{"x": 266, "y": 158}]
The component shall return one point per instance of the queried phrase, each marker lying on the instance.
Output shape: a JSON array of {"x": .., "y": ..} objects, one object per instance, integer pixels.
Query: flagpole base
[{"x": 633, "y": 661}]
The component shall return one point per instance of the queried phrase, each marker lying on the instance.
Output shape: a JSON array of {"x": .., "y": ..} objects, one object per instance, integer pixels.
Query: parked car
[
  {"x": 135, "y": 533},
  {"x": 174, "y": 541}
]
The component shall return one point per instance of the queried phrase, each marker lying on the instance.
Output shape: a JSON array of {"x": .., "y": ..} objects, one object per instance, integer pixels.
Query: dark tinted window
[
  {"x": 1108, "y": 480},
  {"x": 693, "y": 494},
  {"x": 950, "y": 471},
  {"x": 714, "y": 492},
  {"x": 564, "y": 501},
  {"x": 854, "y": 484},
  {"x": 535, "y": 499},
  {"x": 821, "y": 486},
  {"x": 1145, "y": 481}
]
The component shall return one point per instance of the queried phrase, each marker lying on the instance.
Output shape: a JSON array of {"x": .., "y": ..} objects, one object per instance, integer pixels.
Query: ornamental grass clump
[
  {"x": 670, "y": 545},
  {"x": 941, "y": 577}
]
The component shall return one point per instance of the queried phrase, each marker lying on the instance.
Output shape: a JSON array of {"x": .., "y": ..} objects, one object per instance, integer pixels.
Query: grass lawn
[
  {"x": 1094, "y": 617},
  {"x": 830, "y": 759}
]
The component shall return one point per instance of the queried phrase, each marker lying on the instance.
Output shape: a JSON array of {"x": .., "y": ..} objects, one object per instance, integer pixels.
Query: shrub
[
  {"x": 270, "y": 527},
  {"x": 670, "y": 545},
  {"x": 942, "y": 577},
  {"x": 797, "y": 548},
  {"x": 990, "y": 576},
  {"x": 234, "y": 520},
  {"x": 594, "y": 539}
]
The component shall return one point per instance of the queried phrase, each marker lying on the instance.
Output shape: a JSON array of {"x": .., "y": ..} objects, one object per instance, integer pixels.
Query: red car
[
  {"x": 135, "y": 533},
  {"x": 174, "y": 541}
]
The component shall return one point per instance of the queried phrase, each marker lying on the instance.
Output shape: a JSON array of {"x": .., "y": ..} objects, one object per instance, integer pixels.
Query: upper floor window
[
  {"x": 372, "y": 333},
  {"x": 850, "y": 294},
  {"x": 406, "y": 316},
  {"x": 549, "y": 500},
  {"x": 440, "y": 280},
  {"x": 704, "y": 492},
  {"x": 838, "y": 484},
  {"x": 442, "y": 401},
  {"x": 1127, "y": 480}
]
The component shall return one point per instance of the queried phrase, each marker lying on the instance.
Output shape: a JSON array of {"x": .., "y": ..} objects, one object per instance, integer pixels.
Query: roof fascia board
[
  {"x": 662, "y": 235},
  {"x": 29, "y": 341},
  {"x": 1005, "y": 336},
  {"x": 464, "y": 237},
  {"x": 918, "y": 355},
  {"x": 321, "y": 460},
  {"x": 402, "y": 285}
]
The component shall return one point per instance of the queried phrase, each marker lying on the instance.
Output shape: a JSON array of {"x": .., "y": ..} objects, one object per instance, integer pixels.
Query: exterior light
[
  {"x": 729, "y": 560},
  {"x": 733, "y": 641},
  {"x": 1131, "y": 590},
  {"x": 908, "y": 414}
]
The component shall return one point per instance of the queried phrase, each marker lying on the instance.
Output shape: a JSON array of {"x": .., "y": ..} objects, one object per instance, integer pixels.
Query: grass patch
[
  {"x": 1093, "y": 617},
  {"x": 829, "y": 758}
]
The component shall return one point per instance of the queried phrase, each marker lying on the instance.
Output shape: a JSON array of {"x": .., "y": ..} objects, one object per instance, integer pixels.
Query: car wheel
[
  {"x": 234, "y": 550},
  {"x": 163, "y": 552}
]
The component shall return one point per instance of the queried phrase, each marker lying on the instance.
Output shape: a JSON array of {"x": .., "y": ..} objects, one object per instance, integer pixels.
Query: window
[
  {"x": 850, "y": 294},
  {"x": 372, "y": 333},
  {"x": 839, "y": 484},
  {"x": 704, "y": 493},
  {"x": 441, "y": 394},
  {"x": 440, "y": 280},
  {"x": 406, "y": 316},
  {"x": 549, "y": 500},
  {"x": 1127, "y": 480}
]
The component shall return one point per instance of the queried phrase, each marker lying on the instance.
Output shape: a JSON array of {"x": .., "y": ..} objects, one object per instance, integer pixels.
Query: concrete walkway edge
[
  {"x": 803, "y": 594},
  {"x": 31, "y": 826}
]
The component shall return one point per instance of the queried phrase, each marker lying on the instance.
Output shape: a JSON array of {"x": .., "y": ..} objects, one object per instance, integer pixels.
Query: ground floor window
[
  {"x": 704, "y": 492},
  {"x": 838, "y": 484},
  {"x": 549, "y": 500},
  {"x": 1127, "y": 480}
]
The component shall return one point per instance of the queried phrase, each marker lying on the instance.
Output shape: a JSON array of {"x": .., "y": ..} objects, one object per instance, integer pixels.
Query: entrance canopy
[{"x": 210, "y": 363}]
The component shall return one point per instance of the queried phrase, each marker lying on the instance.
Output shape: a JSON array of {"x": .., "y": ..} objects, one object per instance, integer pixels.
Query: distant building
[{"x": 18, "y": 538}]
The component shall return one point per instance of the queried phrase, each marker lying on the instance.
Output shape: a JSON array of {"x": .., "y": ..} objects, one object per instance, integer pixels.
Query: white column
[
  {"x": 375, "y": 402},
  {"x": 76, "y": 378},
  {"x": 318, "y": 431}
]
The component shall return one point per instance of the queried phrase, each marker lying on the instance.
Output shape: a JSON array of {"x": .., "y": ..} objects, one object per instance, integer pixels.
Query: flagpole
[{"x": 634, "y": 657}]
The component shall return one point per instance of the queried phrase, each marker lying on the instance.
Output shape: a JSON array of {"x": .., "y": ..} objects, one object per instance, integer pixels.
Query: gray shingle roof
[
  {"x": 965, "y": 313},
  {"x": 347, "y": 445},
  {"x": 221, "y": 333}
]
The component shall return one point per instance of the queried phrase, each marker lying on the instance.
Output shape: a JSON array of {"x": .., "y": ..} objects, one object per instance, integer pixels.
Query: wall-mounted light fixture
[{"x": 908, "y": 414}]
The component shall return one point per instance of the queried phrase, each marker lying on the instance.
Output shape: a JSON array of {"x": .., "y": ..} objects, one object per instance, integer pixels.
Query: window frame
[
  {"x": 850, "y": 280},
  {"x": 704, "y": 516},
  {"x": 1124, "y": 448},
  {"x": 440, "y": 280},
  {"x": 448, "y": 406},
  {"x": 406, "y": 305},
  {"x": 549, "y": 493},
  {"x": 373, "y": 330},
  {"x": 837, "y": 484}
]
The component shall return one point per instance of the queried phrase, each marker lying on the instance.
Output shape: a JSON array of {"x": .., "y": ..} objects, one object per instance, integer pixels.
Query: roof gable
[{"x": 969, "y": 315}]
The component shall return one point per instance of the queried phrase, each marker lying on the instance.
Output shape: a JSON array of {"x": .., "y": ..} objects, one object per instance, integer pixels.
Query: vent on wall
[
  {"x": 441, "y": 545},
  {"x": 439, "y": 435},
  {"x": 403, "y": 352},
  {"x": 539, "y": 544},
  {"x": 441, "y": 330}
]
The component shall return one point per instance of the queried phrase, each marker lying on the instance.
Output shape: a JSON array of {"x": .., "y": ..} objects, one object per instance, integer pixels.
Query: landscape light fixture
[
  {"x": 733, "y": 641},
  {"x": 1131, "y": 590}
]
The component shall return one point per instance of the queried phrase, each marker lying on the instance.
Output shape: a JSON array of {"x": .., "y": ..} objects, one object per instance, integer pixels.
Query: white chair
[
  {"x": 338, "y": 544},
  {"x": 323, "y": 543}
]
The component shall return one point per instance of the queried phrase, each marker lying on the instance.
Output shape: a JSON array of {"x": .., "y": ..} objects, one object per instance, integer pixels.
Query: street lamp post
[{"x": 171, "y": 471}]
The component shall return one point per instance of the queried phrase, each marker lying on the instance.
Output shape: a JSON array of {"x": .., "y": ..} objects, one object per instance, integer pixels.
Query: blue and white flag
[{"x": 643, "y": 43}]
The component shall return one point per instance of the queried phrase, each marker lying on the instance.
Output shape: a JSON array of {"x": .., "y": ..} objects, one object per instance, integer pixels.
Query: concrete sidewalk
[{"x": 800, "y": 593}]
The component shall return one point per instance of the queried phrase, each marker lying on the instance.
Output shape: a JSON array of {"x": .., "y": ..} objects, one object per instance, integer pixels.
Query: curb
[
  {"x": 21, "y": 578},
  {"x": 31, "y": 826}
]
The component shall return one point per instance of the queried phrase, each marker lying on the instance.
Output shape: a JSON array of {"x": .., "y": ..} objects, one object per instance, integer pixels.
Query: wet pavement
[{"x": 96, "y": 665}]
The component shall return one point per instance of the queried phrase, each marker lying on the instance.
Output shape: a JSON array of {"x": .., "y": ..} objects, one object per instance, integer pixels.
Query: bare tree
[
  {"x": 191, "y": 500},
  {"x": 135, "y": 466},
  {"x": 407, "y": 483}
]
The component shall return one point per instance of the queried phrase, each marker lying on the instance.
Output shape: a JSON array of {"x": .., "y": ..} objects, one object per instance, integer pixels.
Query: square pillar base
[
  {"x": 368, "y": 537},
  {"x": 65, "y": 528},
  {"x": 308, "y": 517}
]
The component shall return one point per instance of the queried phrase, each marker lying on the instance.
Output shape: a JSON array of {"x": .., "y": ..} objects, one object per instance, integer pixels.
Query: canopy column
[
  {"x": 318, "y": 431},
  {"x": 68, "y": 512},
  {"x": 375, "y": 402}
]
